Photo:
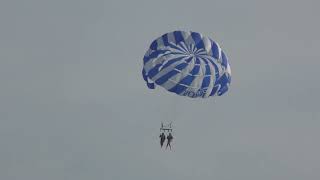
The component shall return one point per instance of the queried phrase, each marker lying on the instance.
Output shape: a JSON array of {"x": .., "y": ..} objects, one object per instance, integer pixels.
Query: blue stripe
[
  {"x": 145, "y": 77},
  {"x": 178, "y": 89},
  {"x": 224, "y": 59},
  {"x": 214, "y": 90},
  {"x": 187, "y": 80},
  {"x": 195, "y": 70},
  {"x": 154, "y": 45},
  {"x": 215, "y": 50},
  {"x": 223, "y": 90},
  {"x": 205, "y": 82},
  {"x": 214, "y": 65},
  {"x": 188, "y": 60},
  {"x": 178, "y": 36},
  {"x": 208, "y": 70},
  {"x": 183, "y": 65},
  {"x": 197, "y": 39},
  {"x": 197, "y": 61},
  {"x": 145, "y": 59},
  {"x": 165, "y": 40},
  {"x": 154, "y": 71},
  {"x": 223, "y": 80}
]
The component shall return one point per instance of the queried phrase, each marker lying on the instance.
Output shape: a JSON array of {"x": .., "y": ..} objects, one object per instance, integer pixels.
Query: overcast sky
[{"x": 73, "y": 104}]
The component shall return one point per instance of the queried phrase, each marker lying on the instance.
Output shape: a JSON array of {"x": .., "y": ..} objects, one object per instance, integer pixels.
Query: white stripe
[
  {"x": 168, "y": 69},
  {"x": 148, "y": 52},
  {"x": 207, "y": 45},
  {"x": 189, "y": 40},
  {"x": 171, "y": 38},
  {"x": 157, "y": 60},
  {"x": 160, "y": 42},
  {"x": 228, "y": 69},
  {"x": 184, "y": 47},
  {"x": 185, "y": 35},
  {"x": 219, "y": 51}
]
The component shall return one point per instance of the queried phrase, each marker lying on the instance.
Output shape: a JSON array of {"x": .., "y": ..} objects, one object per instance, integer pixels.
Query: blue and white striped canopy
[{"x": 188, "y": 64}]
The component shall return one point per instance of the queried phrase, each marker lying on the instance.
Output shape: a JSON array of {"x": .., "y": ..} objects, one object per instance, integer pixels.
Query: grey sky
[{"x": 73, "y": 104}]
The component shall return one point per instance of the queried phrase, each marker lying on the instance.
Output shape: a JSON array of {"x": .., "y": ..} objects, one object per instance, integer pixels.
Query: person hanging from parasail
[
  {"x": 169, "y": 138},
  {"x": 162, "y": 139}
]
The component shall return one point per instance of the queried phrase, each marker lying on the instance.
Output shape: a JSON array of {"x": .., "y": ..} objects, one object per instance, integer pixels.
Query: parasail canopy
[{"x": 187, "y": 64}]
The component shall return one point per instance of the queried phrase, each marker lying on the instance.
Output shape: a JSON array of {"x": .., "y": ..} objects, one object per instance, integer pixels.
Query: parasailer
[
  {"x": 162, "y": 139},
  {"x": 169, "y": 139}
]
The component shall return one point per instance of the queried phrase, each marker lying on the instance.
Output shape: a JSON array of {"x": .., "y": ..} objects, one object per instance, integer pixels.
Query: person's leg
[{"x": 169, "y": 144}]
